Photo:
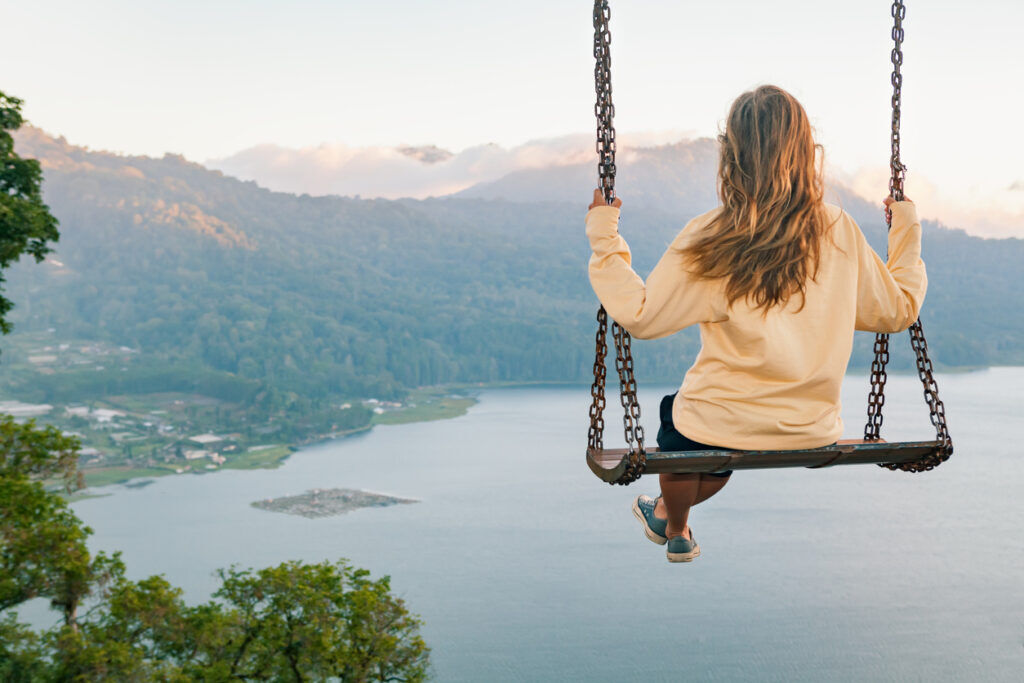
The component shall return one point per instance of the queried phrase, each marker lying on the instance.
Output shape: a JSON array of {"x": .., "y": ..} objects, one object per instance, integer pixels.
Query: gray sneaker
[
  {"x": 654, "y": 528},
  {"x": 682, "y": 549}
]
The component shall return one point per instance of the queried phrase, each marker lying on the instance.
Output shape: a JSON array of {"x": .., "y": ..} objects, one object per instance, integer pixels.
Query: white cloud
[
  {"x": 391, "y": 172},
  {"x": 406, "y": 171},
  {"x": 981, "y": 211}
]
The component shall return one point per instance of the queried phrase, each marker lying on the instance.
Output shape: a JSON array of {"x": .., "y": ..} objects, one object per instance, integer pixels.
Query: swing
[{"x": 625, "y": 465}]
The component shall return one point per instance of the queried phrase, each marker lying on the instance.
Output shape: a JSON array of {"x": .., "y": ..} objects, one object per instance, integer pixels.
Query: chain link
[
  {"x": 876, "y": 398},
  {"x": 595, "y": 436},
  {"x": 604, "y": 111}
]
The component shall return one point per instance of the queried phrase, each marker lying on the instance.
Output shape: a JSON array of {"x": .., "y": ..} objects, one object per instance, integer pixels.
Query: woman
[{"x": 778, "y": 281}]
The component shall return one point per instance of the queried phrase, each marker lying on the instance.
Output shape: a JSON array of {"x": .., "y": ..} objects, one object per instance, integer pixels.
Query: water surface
[{"x": 525, "y": 567}]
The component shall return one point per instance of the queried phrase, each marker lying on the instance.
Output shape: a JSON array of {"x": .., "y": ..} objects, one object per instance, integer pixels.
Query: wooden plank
[{"x": 608, "y": 464}]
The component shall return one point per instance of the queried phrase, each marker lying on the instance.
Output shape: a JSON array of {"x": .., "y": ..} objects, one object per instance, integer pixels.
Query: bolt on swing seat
[{"x": 625, "y": 465}]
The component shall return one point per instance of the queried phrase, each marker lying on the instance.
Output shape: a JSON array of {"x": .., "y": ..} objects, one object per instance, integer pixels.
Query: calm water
[{"x": 525, "y": 567}]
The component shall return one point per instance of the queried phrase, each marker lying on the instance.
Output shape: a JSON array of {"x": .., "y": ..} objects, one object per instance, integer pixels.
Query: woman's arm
[
  {"x": 670, "y": 300},
  {"x": 890, "y": 295}
]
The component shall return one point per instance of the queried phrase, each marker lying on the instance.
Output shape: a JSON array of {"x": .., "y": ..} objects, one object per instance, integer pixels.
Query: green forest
[{"x": 269, "y": 294}]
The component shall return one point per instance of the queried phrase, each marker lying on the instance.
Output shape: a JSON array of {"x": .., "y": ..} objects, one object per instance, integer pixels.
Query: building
[
  {"x": 105, "y": 414},
  {"x": 18, "y": 409}
]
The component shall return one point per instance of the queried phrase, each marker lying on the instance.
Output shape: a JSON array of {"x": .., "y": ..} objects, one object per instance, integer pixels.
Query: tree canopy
[{"x": 26, "y": 224}]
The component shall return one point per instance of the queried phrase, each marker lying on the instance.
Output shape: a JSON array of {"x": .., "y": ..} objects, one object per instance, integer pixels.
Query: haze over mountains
[
  {"x": 405, "y": 170},
  {"x": 334, "y": 296},
  {"x": 564, "y": 167}
]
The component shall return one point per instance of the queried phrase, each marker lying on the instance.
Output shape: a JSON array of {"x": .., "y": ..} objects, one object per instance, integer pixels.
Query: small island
[{"x": 328, "y": 502}]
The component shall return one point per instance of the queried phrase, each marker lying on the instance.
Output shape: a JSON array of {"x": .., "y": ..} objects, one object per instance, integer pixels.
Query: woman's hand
[
  {"x": 890, "y": 199},
  {"x": 599, "y": 200},
  {"x": 888, "y": 205}
]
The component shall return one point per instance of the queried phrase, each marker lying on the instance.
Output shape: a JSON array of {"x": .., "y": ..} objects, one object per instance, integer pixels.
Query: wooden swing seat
[{"x": 610, "y": 464}]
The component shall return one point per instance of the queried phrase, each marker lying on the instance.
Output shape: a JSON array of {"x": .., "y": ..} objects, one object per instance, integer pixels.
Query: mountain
[
  {"x": 334, "y": 296},
  {"x": 678, "y": 179},
  {"x": 973, "y": 315}
]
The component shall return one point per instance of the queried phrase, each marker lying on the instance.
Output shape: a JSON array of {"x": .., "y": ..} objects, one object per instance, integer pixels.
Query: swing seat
[{"x": 610, "y": 464}]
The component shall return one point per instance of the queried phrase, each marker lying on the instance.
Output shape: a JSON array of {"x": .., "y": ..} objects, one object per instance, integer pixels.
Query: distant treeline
[{"x": 85, "y": 385}]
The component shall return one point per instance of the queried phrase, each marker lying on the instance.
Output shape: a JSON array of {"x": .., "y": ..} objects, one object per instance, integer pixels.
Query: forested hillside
[
  {"x": 328, "y": 296},
  {"x": 974, "y": 312}
]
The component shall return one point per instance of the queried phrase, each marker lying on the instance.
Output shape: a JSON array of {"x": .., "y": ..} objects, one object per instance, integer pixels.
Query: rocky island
[{"x": 328, "y": 502}]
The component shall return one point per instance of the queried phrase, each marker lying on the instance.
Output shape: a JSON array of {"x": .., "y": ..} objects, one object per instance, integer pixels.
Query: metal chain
[
  {"x": 604, "y": 111},
  {"x": 936, "y": 409},
  {"x": 595, "y": 436},
  {"x": 631, "y": 426},
  {"x": 876, "y": 398}
]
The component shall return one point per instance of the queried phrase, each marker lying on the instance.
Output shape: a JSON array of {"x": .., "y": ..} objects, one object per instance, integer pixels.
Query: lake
[{"x": 525, "y": 567}]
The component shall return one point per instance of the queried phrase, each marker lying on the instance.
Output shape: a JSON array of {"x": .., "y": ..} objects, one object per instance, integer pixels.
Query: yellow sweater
[{"x": 764, "y": 383}]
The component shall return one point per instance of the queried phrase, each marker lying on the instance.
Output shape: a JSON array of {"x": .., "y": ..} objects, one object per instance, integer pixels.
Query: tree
[
  {"x": 26, "y": 224},
  {"x": 42, "y": 543},
  {"x": 313, "y": 622},
  {"x": 22, "y": 653},
  {"x": 291, "y": 622},
  {"x": 295, "y": 621}
]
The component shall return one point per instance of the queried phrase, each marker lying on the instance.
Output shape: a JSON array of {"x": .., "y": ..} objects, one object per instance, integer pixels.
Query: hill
[{"x": 333, "y": 296}]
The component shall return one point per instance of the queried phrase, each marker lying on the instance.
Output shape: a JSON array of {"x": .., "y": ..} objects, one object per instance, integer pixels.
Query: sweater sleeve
[
  {"x": 890, "y": 295},
  {"x": 668, "y": 301}
]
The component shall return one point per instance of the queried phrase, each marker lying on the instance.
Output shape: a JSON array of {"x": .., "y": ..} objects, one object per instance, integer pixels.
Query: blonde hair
[{"x": 766, "y": 240}]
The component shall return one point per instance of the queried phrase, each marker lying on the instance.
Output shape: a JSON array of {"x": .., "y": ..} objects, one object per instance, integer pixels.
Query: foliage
[
  {"x": 26, "y": 451},
  {"x": 23, "y": 656},
  {"x": 42, "y": 543},
  {"x": 322, "y": 620},
  {"x": 26, "y": 225},
  {"x": 291, "y": 622}
]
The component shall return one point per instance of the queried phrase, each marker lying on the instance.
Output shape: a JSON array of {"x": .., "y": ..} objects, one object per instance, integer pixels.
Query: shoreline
[
  {"x": 443, "y": 408},
  {"x": 276, "y": 455},
  {"x": 852, "y": 372}
]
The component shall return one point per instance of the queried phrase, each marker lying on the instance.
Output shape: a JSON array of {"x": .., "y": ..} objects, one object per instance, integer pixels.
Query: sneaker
[
  {"x": 654, "y": 528},
  {"x": 682, "y": 549}
]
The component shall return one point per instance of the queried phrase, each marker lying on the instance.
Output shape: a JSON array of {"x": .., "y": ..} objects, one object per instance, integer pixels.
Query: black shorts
[{"x": 669, "y": 439}]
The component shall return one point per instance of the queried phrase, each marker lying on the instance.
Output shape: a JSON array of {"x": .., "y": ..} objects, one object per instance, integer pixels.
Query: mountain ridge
[{"x": 339, "y": 296}]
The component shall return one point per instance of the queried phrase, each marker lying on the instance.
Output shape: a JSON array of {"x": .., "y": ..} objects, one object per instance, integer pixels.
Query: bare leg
[
  {"x": 709, "y": 486},
  {"x": 680, "y": 492},
  {"x": 678, "y": 495}
]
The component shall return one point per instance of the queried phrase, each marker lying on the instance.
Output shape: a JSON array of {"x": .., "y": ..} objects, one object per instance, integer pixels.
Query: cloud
[
  {"x": 981, "y": 211},
  {"x": 422, "y": 171},
  {"x": 410, "y": 171}
]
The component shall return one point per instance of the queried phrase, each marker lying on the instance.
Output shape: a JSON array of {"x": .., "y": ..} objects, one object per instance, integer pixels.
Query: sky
[{"x": 208, "y": 79}]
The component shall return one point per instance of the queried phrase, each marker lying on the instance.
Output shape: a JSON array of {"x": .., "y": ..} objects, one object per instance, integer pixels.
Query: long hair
[{"x": 766, "y": 240}]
